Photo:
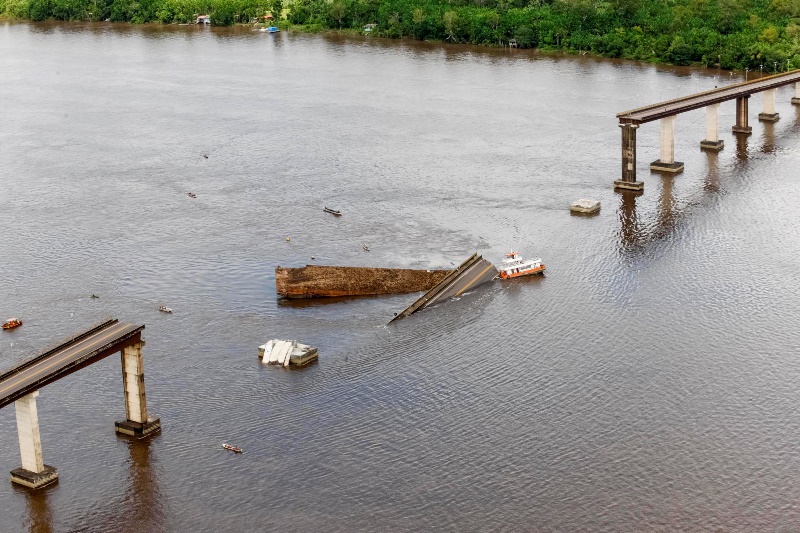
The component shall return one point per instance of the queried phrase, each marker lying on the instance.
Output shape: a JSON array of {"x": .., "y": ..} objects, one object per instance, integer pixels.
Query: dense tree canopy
[{"x": 731, "y": 33}]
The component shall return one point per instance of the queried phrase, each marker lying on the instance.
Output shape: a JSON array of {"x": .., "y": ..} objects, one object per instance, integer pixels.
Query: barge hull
[{"x": 317, "y": 281}]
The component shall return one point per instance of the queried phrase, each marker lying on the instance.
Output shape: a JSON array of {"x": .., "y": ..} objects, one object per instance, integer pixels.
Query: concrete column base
[
  {"x": 795, "y": 100},
  {"x": 32, "y": 479},
  {"x": 630, "y": 185},
  {"x": 675, "y": 167},
  {"x": 742, "y": 129},
  {"x": 714, "y": 146},
  {"x": 769, "y": 117},
  {"x": 137, "y": 429}
]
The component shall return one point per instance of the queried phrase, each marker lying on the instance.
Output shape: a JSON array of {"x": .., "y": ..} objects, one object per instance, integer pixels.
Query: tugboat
[
  {"x": 231, "y": 447},
  {"x": 12, "y": 323},
  {"x": 164, "y": 309},
  {"x": 514, "y": 266}
]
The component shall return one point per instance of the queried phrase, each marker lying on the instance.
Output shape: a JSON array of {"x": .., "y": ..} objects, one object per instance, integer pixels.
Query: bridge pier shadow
[
  {"x": 741, "y": 147},
  {"x": 711, "y": 182},
  {"x": 630, "y": 232},
  {"x": 40, "y": 515},
  {"x": 768, "y": 142}
]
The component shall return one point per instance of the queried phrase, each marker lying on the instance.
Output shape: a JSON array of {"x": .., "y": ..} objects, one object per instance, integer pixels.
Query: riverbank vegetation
[{"x": 754, "y": 34}]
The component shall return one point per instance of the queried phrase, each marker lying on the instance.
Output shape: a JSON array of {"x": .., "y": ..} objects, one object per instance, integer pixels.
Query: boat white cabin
[{"x": 514, "y": 266}]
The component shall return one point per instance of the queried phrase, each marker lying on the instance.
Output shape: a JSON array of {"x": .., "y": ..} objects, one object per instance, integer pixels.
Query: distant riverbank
[{"x": 732, "y": 34}]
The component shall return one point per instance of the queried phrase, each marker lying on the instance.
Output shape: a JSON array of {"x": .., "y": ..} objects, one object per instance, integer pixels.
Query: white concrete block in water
[
  {"x": 585, "y": 205},
  {"x": 285, "y": 353}
]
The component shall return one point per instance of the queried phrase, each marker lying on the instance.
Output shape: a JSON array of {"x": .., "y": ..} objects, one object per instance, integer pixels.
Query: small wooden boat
[
  {"x": 12, "y": 323},
  {"x": 365, "y": 247},
  {"x": 513, "y": 266},
  {"x": 333, "y": 212},
  {"x": 192, "y": 195},
  {"x": 164, "y": 309},
  {"x": 231, "y": 447}
]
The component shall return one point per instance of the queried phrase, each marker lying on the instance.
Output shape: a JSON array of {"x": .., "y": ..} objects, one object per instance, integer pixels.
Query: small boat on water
[
  {"x": 231, "y": 447},
  {"x": 365, "y": 247},
  {"x": 12, "y": 323},
  {"x": 514, "y": 266},
  {"x": 333, "y": 212},
  {"x": 192, "y": 195},
  {"x": 164, "y": 309}
]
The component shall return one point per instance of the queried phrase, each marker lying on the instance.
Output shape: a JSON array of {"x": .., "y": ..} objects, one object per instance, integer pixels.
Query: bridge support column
[
  {"x": 741, "y": 116},
  {"x": 33, "y": 473},
  {"x": 667, "y": 161},
  {"x": 712, "y": 140},
  {"x": 769, "y": 114},
  {"x": 796, "y": 97},
  {"x": 628, "y": 180},
  {"x": 137, "y": 423}
]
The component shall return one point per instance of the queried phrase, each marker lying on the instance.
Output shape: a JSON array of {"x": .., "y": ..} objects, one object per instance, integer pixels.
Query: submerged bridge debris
[{"x": 473, "y": 272}]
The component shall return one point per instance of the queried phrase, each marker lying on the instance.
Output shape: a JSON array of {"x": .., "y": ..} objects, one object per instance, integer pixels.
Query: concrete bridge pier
[
  {"x": 667, "y": 161},
  {"x": 712, "y": 141},
  {"x": 628, "y": 180},
  {"x": 136, "y": 423},
  {"x": 769, "y": 114},
  {"x": 33, "y": 473},
  {"x": 796, "y": 97},
  {"x": 741, "y": 116}
]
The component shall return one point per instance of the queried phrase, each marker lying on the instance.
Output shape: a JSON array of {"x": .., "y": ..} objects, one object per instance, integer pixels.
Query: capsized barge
[{"x": 318, "y": 281}]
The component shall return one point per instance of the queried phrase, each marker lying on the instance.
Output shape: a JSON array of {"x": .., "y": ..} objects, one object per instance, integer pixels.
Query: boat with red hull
[
  {"x": 12, "y": 323},
  {"x": 514, "y": 266}
]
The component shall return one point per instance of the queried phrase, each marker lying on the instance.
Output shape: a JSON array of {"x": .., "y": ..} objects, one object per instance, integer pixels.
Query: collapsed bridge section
[{"x": 469, "y": 274}]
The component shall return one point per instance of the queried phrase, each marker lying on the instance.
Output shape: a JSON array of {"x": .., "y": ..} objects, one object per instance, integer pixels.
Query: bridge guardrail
[{"x": 61, "y": 346}]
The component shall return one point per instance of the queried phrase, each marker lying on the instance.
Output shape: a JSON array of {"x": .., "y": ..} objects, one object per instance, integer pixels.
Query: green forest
[{"x": 735, "y": 34}]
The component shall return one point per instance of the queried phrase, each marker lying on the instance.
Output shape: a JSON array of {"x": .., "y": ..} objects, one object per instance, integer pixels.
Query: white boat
[
  {"x": 514, "y": 266},
  {"x": 164, "y": 309}
]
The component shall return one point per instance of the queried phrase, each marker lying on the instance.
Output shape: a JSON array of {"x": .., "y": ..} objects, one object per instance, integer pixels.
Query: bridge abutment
[
  {"x": 742, "y": 124},
  {"x": 33, "y": 473},
  {"x": 712, "y": 141},
  {"x": 769, "y": 114},
  {"x": 796, "y": 97},
  {"x": 667, "y": 163},
  {"x": 137, "y": 423},
  {"x": 628, "y": 180}
]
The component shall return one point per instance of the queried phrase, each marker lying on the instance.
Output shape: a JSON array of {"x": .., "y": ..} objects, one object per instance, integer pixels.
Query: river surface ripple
[{"x": 650, "y": 382}]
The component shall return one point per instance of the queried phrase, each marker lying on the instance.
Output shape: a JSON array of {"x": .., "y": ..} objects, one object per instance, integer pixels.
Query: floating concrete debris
[
  {"x": 318, "y": 281},
  {"x": 585, "y": 206},
  {"x": 469, "y": 274},
  {"x": 278, "y": 352}
]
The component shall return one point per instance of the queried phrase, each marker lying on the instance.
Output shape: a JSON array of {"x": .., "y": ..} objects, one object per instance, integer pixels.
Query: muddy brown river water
[{"x": 649, "y": 382}]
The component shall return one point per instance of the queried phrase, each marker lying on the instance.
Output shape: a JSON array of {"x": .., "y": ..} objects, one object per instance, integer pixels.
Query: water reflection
[
  {"x": 768, "y": 138},
  {"x": 741, "y": 146},
  {"x": 141, "y": 508},
  {"x": 630, "y": 232},
  {"x": 40, "y": 518},
  {"x": 711, "y": 182}
]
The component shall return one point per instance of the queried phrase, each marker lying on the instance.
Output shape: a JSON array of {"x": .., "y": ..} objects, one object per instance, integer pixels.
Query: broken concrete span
[
  {"x": 469, "y": 274},
  {"x": 317, "y": 281}
]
